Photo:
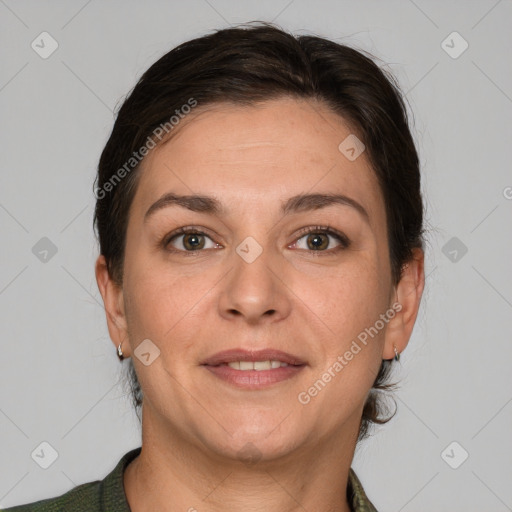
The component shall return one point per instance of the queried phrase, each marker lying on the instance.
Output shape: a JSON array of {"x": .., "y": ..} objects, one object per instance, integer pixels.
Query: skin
[{"x": 309, "y": 303}]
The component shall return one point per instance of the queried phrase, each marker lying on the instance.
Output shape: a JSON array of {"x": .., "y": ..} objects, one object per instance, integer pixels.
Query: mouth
[
  {"x": 253, "y": 369},
  {"x": 256, "y": 365},
  {"x": 260, "y": 357}
]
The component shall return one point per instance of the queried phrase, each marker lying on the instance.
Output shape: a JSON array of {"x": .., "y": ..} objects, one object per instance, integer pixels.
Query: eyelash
[{"x": 327, "y": 230}]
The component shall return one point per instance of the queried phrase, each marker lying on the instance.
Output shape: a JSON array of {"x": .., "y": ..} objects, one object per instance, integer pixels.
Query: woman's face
[{"x": 255, "y": 280}]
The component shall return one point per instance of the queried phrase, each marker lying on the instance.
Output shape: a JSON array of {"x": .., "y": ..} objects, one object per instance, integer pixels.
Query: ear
[
  {"x": 113, "y": 300},
  {"x": 407, "y": 294}
]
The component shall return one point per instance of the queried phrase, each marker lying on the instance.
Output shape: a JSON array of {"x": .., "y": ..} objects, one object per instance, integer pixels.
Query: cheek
[
  {"x": 350, "y": 298},
  {"x": 152, "y": 309},
  {"x": 147, "y": 296},
  {"x": 163, "y": 303},
  {"x": 350, "y": 305}
]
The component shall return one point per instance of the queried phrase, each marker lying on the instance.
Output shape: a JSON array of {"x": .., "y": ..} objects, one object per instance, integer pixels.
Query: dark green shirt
[{"x": 108, "y": 495}]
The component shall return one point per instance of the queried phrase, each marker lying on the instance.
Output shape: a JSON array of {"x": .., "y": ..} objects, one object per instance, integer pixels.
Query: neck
[{"x": 172, "y": 473}]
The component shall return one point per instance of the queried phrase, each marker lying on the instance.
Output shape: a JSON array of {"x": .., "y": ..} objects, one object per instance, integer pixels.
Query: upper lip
[{"x": 229, "y": 356}]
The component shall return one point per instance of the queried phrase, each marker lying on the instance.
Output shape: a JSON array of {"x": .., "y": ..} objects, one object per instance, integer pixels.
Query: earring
[
  {"x": 397, "y": 354},
  {"x": 120, "y": 352}
]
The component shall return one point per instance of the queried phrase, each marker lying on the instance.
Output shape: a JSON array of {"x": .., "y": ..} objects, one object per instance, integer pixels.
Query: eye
[
  {"x": 188, "y": 239},
  {"x": 191, "y": 240},
  {"x": 317, "y": 239}
]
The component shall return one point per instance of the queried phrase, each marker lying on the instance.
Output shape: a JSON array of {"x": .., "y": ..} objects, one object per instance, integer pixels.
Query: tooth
[
  {"x": 256, "y": 365},
  {"x": 262, "y": 365}
]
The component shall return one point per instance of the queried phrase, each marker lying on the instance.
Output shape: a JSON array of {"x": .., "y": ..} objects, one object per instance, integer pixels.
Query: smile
[{"x": 256, "y": 365}]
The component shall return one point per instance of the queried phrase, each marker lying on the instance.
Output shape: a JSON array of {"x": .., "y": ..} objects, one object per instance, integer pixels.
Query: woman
[{"x": 261, "y": 232}]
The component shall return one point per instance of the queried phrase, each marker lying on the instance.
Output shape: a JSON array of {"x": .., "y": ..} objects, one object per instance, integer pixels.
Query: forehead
[{"x": 263, "y": 154}]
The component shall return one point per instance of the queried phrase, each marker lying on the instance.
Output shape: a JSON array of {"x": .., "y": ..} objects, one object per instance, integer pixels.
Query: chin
[
  {"x": 249, "y": 442},
  {"x": 252, "y": 449}
]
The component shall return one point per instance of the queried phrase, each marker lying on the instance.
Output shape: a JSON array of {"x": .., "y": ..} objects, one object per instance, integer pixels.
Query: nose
[{"x": 255, "y": 291}]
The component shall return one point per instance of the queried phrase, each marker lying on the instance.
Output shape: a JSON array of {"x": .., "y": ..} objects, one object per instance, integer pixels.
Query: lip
[
  {"x": 229, "y": 356},
  {"x": 253, "y": 379}
]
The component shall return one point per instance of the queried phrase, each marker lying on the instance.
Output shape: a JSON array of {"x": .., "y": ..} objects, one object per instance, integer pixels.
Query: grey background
[{"x": 59, "y": 375}]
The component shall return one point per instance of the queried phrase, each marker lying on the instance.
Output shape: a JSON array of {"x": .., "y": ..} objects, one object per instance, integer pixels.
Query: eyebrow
[{"x": 295, "y": 204}]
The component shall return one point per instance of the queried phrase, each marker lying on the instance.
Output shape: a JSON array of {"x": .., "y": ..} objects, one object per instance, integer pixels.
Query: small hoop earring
[
  {"x": 397, "y": 354},
  {"x": 120, "y": 352}
]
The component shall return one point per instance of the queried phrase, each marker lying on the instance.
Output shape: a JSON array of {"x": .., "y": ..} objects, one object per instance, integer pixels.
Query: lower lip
[{"x": 254, "y": 379}]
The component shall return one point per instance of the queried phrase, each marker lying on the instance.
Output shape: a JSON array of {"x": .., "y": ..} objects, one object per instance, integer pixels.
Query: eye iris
[
  {"x": 195, "y": 241},
  {"x": 317, "y": 241}
]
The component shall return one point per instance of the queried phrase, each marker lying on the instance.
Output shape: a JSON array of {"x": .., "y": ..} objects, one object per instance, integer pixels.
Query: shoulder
[
  {"x": 98, "y": 496},
  {"x": 356, "y": 494},
  {"x": 83, "y": 497}
]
